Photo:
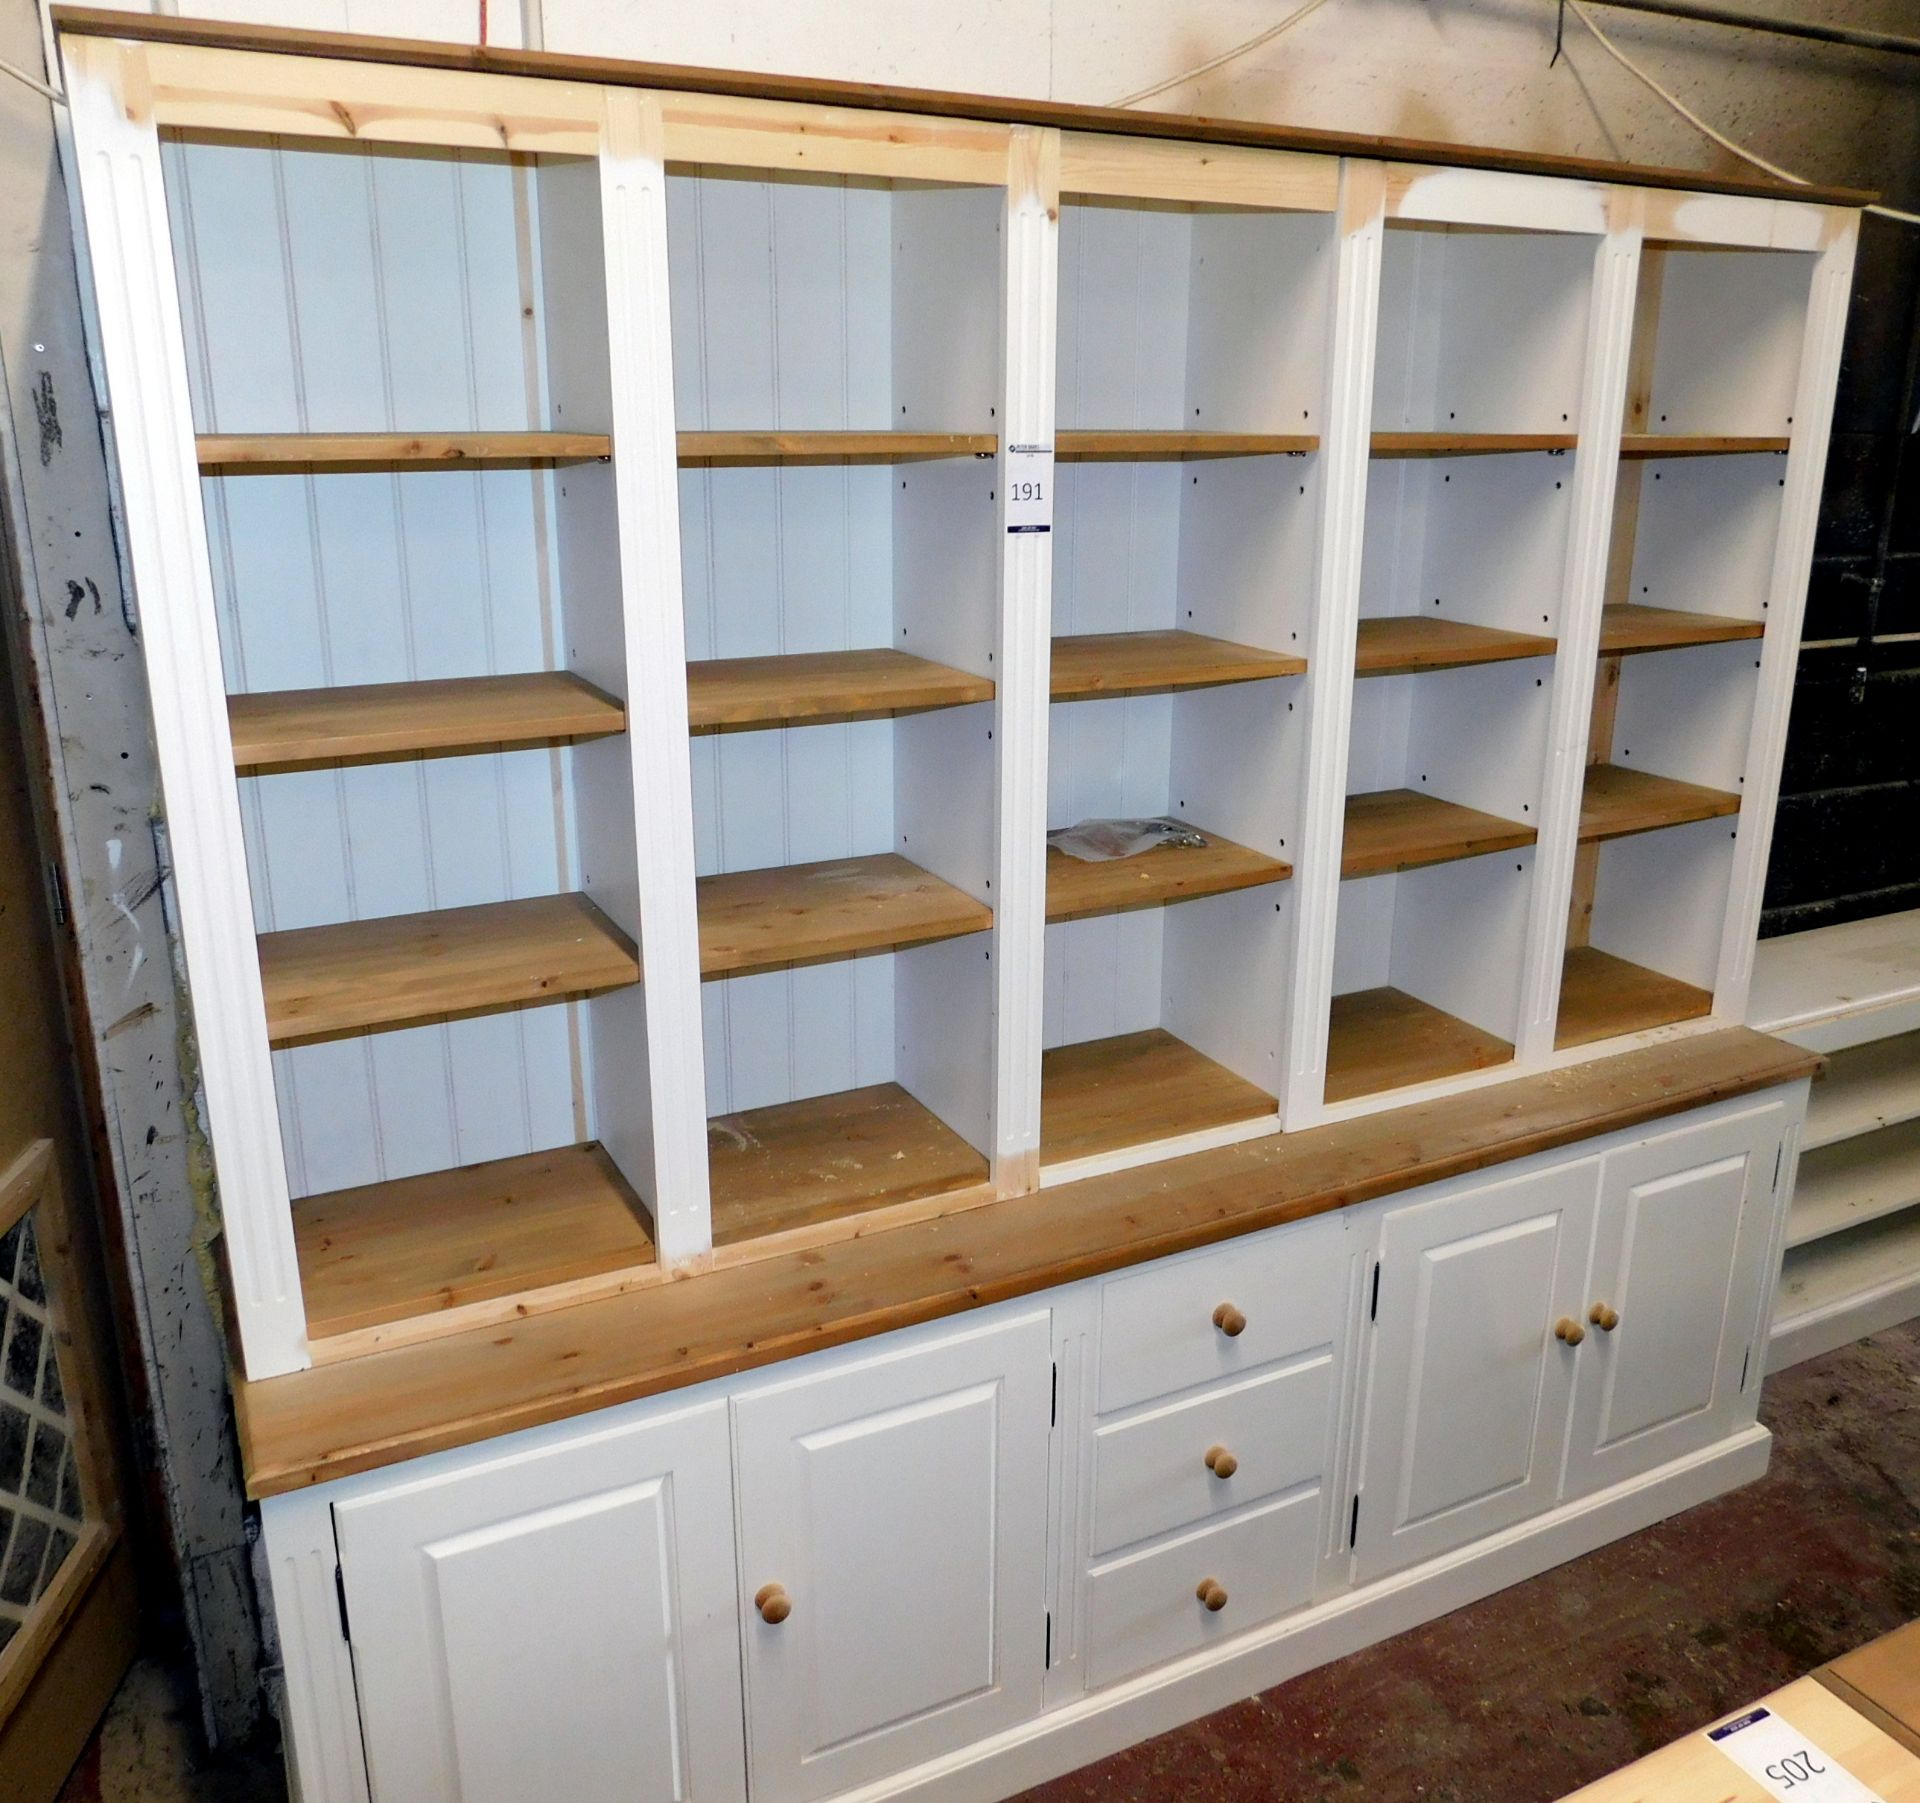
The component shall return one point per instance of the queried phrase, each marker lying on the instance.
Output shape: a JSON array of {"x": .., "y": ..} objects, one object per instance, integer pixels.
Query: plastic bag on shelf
[{"x": 1101, "y": 841}]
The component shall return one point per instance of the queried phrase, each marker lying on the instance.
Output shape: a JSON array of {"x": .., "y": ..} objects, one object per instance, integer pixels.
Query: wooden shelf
[
  {"x": 1469, "y": 444},
  {"x": 725, "y": 448},
  {"x": 1163, "y": 447},
  {"x": 1169, "y": 873},
  {"x": 1832, "y": 988},
  {"x": 237, "y": 453},
  {"x": 1403, "y": 829},
  {"x": 1107, "y": 1094},
  {"x": 817, "y": 1169},
  {"x": 1626, "y": 628},
  {"x": 1855, "y": 1181},
  {"x": 811, "y": 913},
  {"x": 1379, "y": 1039},
  {"x": 1145, "y": 663},
  {"x": 403, "y": 970},
  {"x": 1865, "y": 1088},
  {"x": 299, "y": 729},
  {"x": 1617, "y": 802},
  {"x": 1602, "y": 996},
  {"x": 816, "y": 686},
  {"x": 1695, "y": 444},
  {"x": 450, "y": 1242},
  {"x": 1406, "y": 644}
]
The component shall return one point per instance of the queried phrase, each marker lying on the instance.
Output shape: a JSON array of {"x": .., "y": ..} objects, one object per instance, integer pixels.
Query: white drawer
[
  {"x": 1151, "y": 1472},
  {"x": 1144, "y": 1609},
  {"x": 1157, "y": 1329}
]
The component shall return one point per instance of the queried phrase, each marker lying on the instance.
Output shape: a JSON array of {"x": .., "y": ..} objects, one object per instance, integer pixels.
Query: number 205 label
[
  {"x": 1029, "y": 478},
  {"x": 1785, "y": 1762}
]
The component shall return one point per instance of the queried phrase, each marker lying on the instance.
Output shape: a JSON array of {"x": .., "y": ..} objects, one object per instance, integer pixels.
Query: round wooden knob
[
  {"x": 1229, "y": 1320},
  {"x": 1221, "y": 1462},
  {"x": 773, "y": 1603},
  {"x": 1209, "y": 1592},
  {"x": 1603, "y": 1317},
  {"x": 1568, "y": 1330}
]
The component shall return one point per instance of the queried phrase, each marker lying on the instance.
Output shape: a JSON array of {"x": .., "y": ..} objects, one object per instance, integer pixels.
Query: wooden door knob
[
  {"x": 1230, "y": 1320},
  {"x": 773, "y": 1603},
  {"x": 1209, "y": 1592},
  {"x": 1603, "y": 1317},
  {"x": 1221, "y": 1462},
  {"x": 1568, "y": 1330}
]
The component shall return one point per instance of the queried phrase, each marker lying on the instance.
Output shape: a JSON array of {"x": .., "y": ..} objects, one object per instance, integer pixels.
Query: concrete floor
[{"x": 1523, "y": 1697}]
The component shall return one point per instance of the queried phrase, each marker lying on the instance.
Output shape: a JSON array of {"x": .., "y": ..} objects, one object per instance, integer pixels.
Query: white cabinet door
[
  {"x": 898, "y": 1501},
  {"x": 1680, "y": 1255},
  {"x": 552, "y": 1624},
  {"x": 1470, "y": 1388}
]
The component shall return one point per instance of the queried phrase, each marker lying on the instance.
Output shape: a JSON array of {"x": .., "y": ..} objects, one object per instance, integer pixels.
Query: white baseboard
[{"x": 1094, "y": 1726}]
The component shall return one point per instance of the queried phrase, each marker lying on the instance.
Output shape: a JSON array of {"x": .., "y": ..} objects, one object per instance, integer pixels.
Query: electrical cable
[
  {"x": 1226, "y": 56},
  {"x": 34, "y": 82}
]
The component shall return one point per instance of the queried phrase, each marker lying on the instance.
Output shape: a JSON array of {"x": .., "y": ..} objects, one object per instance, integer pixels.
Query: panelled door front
[
  {"x": 1471, "y": 1383},
  {"x": 1680, "y": 1256},
  {"x": 893, "y": 1549},
  {"x": 552, "y": 1624}
]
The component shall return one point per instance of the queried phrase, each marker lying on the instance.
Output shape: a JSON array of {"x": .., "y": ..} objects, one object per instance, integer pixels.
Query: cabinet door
[
  {"x": 559, "y": 1623},
  {"x": 1470, "y": 1388},
  {"x": 899, "y": 1504},
  {"x": 1679, "y": 1257}
]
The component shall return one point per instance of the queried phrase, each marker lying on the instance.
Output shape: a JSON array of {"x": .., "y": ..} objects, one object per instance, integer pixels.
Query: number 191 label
[{"x": 1029, "y": 478}]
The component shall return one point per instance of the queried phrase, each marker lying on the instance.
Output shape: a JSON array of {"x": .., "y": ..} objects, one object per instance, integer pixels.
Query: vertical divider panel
[
  {"x": 1345, "y": 445},
  {"x": 1813, "y": 402},
  {"x": 137, "y": 304},
  {"x": 1603, "y": 399},
  {"x": 1030, "y": 252},
  {"x": 633, "y": 206}
]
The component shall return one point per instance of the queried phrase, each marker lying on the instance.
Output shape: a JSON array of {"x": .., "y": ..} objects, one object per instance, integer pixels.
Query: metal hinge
[
  {"x": 1353, "y": 1523},
  {"x": 1746, "y": 1359},
  {"x": 1779, "y": 1152},
  {"x": 1047, "y": 1663},
  {"x": 1373, "y": 1312},
  {"x": 1053, "y": 1406},
  {"x": 56, "y": 893},
  {"x": 340, "y": 1596}
]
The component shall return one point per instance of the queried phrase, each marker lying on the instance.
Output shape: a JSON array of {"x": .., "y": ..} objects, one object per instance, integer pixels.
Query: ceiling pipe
[{"x": 1792, "y": 28}]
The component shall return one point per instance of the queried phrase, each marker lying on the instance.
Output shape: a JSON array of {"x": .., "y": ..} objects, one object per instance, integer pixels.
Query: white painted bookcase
[{"x": 1434, "y": 539}]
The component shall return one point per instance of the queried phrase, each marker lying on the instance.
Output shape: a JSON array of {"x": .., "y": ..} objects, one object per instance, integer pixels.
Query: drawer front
[
  {"x": 1144, "y": 1610},
  {"x": 1158, "y": 1333},
  {"x": 1156, "y": 1472}
]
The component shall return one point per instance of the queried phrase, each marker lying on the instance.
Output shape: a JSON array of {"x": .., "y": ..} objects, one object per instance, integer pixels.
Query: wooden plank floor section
[
  {"x": 1885, "y": 1676},
  {"x": 1106, "y": 1094},
  {"x": 1627, "y": 627},
  {"x": 453, "y": 1240},
  {"x": 808, "y": 913},
  {"x": 798, "y": 1167},
  {"x": 1089, "y": 665},
  {"x": 402, "y": 970},
  {"x": 1617, "y": 801},
  {"x": 723, "y": 448},
  {"x": 1696, "y": 444},
  {"x": 1082, "y": 446},
  {"x": 1381, "y": 1039},
  {"x": 817, "y": 686},
  {"x": 1406, "y": 644},
  {"x": 1469, "y": 444},
  {"x": 466, "y": 1387},
  {"x": 1403, "y": 829},
  {"x": 236, "y": 453},
  {"x": 299, "y": 729},
  {"x": 1169, "y": 873},
  {"x": 1601, "y": 996}
]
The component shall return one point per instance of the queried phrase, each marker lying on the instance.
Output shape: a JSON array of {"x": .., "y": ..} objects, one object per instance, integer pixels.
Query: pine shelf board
[
  {"x": 1865, "y": 1087},
  {"x": 839, "y": 908},
  {"x": 1469, "y": 444},
  {"x": 1826, "y": 1274},
  {"x": 456, "y": 1240},
  {"x": 1104, "y": 1095},
  {"x": 1697, "y": 444},
  {"x": 742, "y": 448},
  {"x": 803, "y": 1172},
  {"x": 1093, "y": 664},
  {"x": 404, "y": 970},
  {"x": 1626, "y": 627},
  {"x": 1855, "y": 1181},
  {"x": 1404, "y": 829},
  {"x": 811, "y": 687},
  {"x": 1406, "y": 644},
  {"x": 1617, "y": 802},
  {"x": 1082, "y": 446},
  {"x": 1602, "y": 996},
  {"x": 1379, "y": 1039},
  {"x": 1168, "y": 873},
  {"x": 301, "y": 729},
  {"x": 236, "y": 453}
]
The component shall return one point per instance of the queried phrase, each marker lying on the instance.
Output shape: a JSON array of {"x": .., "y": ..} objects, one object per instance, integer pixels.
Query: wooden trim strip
[
  {"x": 86, "y": 21},
  {"x": 333, "y": 1420}
]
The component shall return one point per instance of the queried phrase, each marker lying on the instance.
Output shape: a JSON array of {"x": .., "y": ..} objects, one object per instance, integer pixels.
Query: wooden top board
[
  {"x": 1402, "y": 829},
  {"x": 1627, "y": 627},
  {"x": 1697, "y": 444},
  {"x": 368, "y": 1412},
  {"x": 1406, "y": 644},
  {"x": 1617, "y": 801},
  {"x": 1091, "y": 664},
  {"x": 1469, "y": 444},
  {"x": 1882, "y": 1681},
  {"x": 811, "y": 687},
  {"x": 831, "y": 446},
  {"x": 89, "y": 21},
  {"x": 238, "y": 453},
  {"x": 1079, "y": 445}
]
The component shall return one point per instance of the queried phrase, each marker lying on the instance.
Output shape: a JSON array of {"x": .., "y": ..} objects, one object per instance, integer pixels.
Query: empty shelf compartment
[
  {"x": 1380, "y": 1039},
  {"x": 1602, "y": 996},
  {"x": 1104, "y": 1095},
  {"x": 1854, "y": 1181}
]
